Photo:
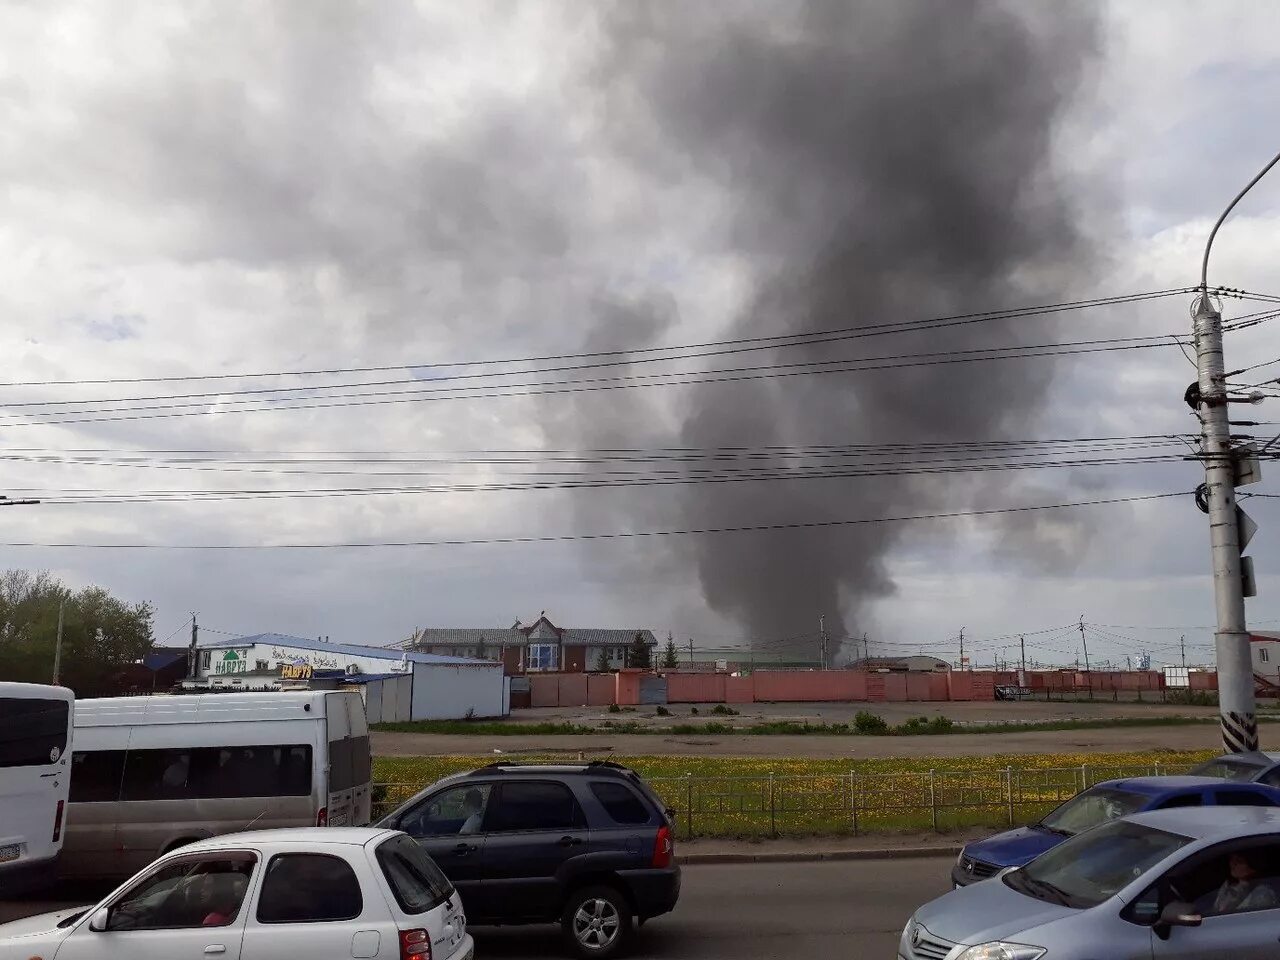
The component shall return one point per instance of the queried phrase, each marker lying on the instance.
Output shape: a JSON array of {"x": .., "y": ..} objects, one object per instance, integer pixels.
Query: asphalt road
[{"x": 749, "y": 912}]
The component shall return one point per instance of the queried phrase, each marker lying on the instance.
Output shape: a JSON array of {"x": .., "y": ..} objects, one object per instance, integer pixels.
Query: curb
[{"x": 889, "y": 853}]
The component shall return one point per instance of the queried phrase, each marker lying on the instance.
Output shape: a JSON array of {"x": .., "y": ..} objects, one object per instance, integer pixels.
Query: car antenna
[{"x": 255, "y": 820}]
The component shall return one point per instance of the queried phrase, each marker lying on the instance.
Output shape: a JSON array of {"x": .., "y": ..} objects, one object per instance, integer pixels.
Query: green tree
[
  {"x": 602, "y": 661},
  {"x": 101, "y": 634},
  {"x": 670, "y": 657},
  {"x": 638, "y": 655}
]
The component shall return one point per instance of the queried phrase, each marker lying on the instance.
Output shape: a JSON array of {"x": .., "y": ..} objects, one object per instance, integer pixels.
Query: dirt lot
[{"x": 1120, "y": 739}]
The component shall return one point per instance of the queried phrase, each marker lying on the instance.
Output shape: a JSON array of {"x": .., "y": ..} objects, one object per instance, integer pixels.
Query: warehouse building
[{"x": 396, "y": 684}]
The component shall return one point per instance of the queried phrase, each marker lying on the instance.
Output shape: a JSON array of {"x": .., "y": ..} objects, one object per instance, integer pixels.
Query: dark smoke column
[{"x": 883, "y": 161}]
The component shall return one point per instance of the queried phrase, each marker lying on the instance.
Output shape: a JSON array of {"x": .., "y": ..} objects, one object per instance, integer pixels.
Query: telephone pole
[
  {"x": 1229, "y": 528},
  {"x": 1022, "y": 645},
  {"x": 822, "y": 641},
  {"x": 191, "y": 650},
  {"x": 1084, "y": 642},
  {"x": 57, "y": 645},
  {"x": 1183, "y": 644},
  {"x": 962, "y": 648}
]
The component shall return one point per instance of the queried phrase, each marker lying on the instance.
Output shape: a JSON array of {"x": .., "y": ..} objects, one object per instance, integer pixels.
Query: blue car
[{"x": 1101, "y": 804}]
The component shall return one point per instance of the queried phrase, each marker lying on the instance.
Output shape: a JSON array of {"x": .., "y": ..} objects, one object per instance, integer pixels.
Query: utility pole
[
  {"x": 57, "y": 646},
  {"x": 866, "y": 646},
  {"x": 191, "y": 650},
  {"x": 962, "y": 648},
  {"x": 822, "y": 642},
  {"x": 1183, "y": 644},
  {"x": 1084, "y": 642},
  {"x": 1022, "y": 645},
  {"x": 1225, "y": 467},
  {"x": 691, "y": 653}
]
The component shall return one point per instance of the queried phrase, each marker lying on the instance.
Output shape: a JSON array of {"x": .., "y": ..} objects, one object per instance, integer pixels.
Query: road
[{"x": 749, "y": 912}]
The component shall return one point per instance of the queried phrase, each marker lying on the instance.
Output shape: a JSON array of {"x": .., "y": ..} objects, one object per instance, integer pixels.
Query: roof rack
[{"x": 596, "y": 766}]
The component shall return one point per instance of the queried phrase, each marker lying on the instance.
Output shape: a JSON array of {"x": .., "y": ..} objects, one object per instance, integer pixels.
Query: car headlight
[{"x": 999, "y": 950}]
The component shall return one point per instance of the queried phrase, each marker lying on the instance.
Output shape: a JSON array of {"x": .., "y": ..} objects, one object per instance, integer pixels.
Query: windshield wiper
[{"x": 1058, "y": 830}]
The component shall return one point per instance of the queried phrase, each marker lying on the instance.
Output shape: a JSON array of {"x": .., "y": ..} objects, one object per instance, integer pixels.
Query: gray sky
[{"x": 220, "y": 188}]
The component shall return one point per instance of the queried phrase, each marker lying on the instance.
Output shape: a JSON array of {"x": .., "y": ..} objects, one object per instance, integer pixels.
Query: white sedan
[{"x": 271, "y": 895}]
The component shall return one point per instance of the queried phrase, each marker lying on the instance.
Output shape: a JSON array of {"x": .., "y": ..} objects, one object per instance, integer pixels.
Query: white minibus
[
  {"x": 149, "y": 774},
  {"x": 35, "y": 728}
]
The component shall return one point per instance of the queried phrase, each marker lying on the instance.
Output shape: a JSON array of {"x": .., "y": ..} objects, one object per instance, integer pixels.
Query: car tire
[{"x": 596, "y": 922}]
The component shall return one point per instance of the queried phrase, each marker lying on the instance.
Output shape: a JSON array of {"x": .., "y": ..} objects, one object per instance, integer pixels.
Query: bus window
[
  {"x": 95, "y": 776},
  {"x": 340, "y": 766},
  {"x": 33, "y": 732},
  {"x": 204, "y": 773}
]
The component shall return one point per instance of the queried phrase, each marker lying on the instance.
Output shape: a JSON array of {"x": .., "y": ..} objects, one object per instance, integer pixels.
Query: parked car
[
  {"x": 1198, "y": 882},
  {"x": 1256, "y": 767},
  {"x": 1105, "y": 801},
  {"x": 589, "y": 846},
  {"x": 269, "y": 895}
]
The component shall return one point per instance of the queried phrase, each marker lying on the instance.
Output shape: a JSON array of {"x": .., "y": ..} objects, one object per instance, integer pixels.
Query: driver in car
[
  {"x": 1243, "y": 890},
  {"x": 473, "y": 806}
]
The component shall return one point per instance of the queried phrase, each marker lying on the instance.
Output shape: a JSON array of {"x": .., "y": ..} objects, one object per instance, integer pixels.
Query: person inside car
[
  {"x": 473, "y": 806},
  {"x": 1243, "y": 889}
]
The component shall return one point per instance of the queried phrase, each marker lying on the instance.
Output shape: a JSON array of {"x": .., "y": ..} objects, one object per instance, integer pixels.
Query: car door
[
  {"x": 1240, "y": 907},
  {"x": 186, "y": 908},
  {"x": 533, "y": 827},
  {"x": 318, "y": 905},
  {"x": 449, "y": 826}
]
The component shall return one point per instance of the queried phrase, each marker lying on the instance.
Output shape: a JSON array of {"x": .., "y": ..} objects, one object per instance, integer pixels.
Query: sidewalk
[{"x": 812, "y": 849}]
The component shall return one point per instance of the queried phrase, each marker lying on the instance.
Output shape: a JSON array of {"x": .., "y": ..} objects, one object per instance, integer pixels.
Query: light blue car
[{"x": 1195, "y": 882}]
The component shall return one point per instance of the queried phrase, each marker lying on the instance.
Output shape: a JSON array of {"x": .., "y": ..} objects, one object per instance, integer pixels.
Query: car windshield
[
  {"x": 1096, "y": 805},
  {"x": 1092, "y": 867},
  {"x": 1228, "y": 768}
]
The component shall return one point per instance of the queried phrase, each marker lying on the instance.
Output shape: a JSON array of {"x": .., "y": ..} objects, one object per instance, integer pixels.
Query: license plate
[{"x": 11, "y": 852}]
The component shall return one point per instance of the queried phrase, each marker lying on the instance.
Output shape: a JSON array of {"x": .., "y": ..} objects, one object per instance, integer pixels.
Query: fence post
[
  {"x": 853, "y": 800},
  {"x": 1084, "y": 776},
  {"x": 1157, "y": 768},
  {"x": 933, "y": 802},
  {"x": 688, "y": 805},
  {"x": 773, "y": 810},
  {"x": 1008, "y": 791}
]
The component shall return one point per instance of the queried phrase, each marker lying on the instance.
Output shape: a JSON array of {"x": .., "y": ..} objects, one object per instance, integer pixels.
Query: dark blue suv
[
  {"x": 589, "y": 846},
  {"x": 1099, "y": 804}
]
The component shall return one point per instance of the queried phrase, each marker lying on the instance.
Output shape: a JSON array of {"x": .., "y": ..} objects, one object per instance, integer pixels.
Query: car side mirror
[
  {"x": 98, "y": 922},
  {"x": 1177, "y": 914}
]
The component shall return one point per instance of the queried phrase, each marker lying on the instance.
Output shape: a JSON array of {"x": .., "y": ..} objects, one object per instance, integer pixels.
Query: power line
[
  {"x": 593, "y": 385},
  {"x": 769, "y": 342},
  {"x": 622, "y": 535}
]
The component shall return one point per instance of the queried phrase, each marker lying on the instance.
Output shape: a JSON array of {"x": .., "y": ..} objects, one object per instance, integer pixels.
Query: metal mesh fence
[{"x": 853, "y": 803}]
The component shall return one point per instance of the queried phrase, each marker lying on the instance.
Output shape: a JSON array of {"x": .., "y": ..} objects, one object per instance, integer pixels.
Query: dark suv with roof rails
[{"x": 589, "y": 846}]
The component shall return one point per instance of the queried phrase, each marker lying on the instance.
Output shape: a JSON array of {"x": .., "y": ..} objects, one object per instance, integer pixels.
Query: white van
[
  {"x": 149, "y": 774},
  {"x": 35, "y": 728}
]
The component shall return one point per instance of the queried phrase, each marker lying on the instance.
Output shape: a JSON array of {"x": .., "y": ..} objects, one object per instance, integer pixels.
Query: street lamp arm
[{"x": 1204, "y": 266}]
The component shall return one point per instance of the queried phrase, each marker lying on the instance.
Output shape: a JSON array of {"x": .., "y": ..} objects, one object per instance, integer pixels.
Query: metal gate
[{"x": 653, "y": 689}]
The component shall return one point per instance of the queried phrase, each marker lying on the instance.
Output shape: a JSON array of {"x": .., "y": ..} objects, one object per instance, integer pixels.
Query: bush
[
  {"x": 869, "y": 723},
  {"x": 724, "y": 711},
  {"x": 663, "y": 712},
  {"x": 614, "y": 708},
  {"x": 693, "y": 712},
  {"x": 1192, "y": 698},
  {"x": 919, "y": 725}
]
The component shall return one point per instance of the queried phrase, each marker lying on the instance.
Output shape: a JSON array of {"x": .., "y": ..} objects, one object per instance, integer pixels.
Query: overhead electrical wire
[
  {"x": 760, "y": 342},
  {"x": 617, "y": 535}
]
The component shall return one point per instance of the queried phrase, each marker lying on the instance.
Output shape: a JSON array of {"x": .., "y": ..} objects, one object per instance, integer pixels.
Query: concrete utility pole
[
  {"x": 1085, "y": 643},
  {"x": 822, "y": 641},
  {"x": 1022, "y": 645},
  {"x": 57, "y": 645},
  {"x": 691, "y": 653},
  {"x": 1183, "y": 644},
  {"x": 191, "y": 650},
  {"x": 1229, "y": 528},
  {"x": 962, "y": 648}
]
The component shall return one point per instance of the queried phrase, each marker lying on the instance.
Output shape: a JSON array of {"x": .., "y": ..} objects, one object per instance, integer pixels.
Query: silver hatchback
[{"x": 1194, "y": 882}]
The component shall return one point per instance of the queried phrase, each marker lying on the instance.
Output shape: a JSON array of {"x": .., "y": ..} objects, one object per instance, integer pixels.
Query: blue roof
[{"x": 351, "y": 650}]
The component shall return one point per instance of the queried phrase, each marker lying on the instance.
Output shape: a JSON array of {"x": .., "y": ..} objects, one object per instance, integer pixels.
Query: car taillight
[
  {"x": 416, "y": 944},
  {"x": 663, "y": 847},
  {"x": 57, "y": 823},
  {"x": 322, "y": 817}
]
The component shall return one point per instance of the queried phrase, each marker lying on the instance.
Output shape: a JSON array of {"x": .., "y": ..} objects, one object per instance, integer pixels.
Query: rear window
[
  {"x": 622, "y": 805},
  {"x": 33, "y": 733},
  {"x": 309, "y": 888},
  {"x": 1226, "y": 768},
  {"x": 415, "y": 880}
]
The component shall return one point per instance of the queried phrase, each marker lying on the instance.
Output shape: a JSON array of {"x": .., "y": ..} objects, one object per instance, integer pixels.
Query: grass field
[{"x": 761, "y": 797}]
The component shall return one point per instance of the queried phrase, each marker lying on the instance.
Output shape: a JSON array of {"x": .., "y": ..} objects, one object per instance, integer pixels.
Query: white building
[
  {"x": 1264, "y": 650},
  {"x": 411, "y": 686}
]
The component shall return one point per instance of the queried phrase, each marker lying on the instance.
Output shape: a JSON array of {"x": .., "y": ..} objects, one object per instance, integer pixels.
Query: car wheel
[{"x": 596, "y": 922}]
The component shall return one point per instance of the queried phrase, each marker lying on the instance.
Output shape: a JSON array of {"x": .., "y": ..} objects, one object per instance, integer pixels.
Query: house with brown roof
[{"x": 537, "y": 647}]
